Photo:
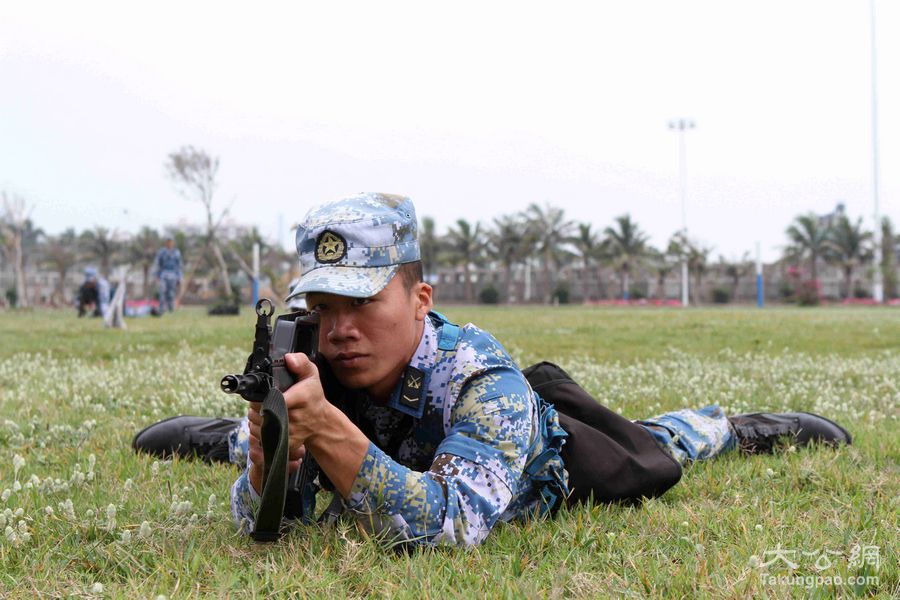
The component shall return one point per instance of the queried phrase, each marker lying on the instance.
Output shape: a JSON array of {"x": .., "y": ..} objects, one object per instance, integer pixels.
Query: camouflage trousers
[
  {"x": 691, "y": 434},
  {"x": 168, "y": 286}
]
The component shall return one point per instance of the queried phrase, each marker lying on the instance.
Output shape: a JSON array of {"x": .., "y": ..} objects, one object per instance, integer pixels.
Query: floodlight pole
[
  {"x": 877, "y": 284},
  {"x": 759, "y": 278},
  {"x": 682, "y": 125},
  {"x": 255, "y": 282}
]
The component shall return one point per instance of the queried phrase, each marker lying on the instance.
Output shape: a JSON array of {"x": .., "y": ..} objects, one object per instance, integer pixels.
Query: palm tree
[
  {"x": 736, "y": 270},
  {"x": 60, "y": 253},
  {"x": 697, "y": 258},
  {"x": 465, "y": 245},
  {"x": 142, "y": 251},
  {"x": 679, "y": 249},
  {"x": 277, "y": 265},
  {"x": 808, "y": 241},
  {"x": 508, "y": 243},
  {"x": 627, "y": 245},
  {"x": 888, "y": 258},
  {"x": 274, "y": 262},
  {"x": 663, "y": 264},
  {"x": 99, "y": 243},
  {"x": 587, "y": 245},
  {"x": 846, "y": 244},
  {"x": 428, "y": 243},
  {"x": 550, "y": 231}
]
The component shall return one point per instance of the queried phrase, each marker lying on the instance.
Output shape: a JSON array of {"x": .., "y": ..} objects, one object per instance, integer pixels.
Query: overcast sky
[{"x": 472, "y": 109}]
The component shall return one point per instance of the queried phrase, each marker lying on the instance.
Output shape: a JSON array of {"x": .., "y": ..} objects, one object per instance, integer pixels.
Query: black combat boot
[
  {"x": 762, "y": 432},
  {"x": 188, "y": 437}
]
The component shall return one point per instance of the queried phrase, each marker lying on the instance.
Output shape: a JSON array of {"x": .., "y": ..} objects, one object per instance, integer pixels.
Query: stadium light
[
  {"x": 681, "y": 126},
  {"x": 877, "y": 283}
]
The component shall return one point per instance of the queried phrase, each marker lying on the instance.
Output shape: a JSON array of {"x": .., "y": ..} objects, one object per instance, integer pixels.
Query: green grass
[{"x": 70, "y": 389}]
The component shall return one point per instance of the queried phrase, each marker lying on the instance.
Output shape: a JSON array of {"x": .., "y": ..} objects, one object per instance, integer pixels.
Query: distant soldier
[
  {"x": 168, "y": 273},
  {"x": 296, "y": 302},
  {"x": 93, "y": 294}
]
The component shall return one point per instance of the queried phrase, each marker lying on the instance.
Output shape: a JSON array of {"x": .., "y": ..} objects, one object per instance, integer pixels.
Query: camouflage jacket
[
  {"x": 168, "y": 264},
  {"x": 463, "y": 443}
]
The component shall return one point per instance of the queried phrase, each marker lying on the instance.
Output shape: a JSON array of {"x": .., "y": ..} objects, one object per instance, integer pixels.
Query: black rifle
[{"x": 264, "y": 379}]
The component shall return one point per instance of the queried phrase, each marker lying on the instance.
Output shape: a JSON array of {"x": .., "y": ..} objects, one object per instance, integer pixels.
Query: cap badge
[{"x": 330, "y": 247}]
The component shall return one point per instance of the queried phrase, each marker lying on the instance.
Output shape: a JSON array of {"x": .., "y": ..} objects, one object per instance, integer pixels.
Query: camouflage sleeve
[
  {"x": 472, "y": 479},
  {"x": 244, "y": 503}
]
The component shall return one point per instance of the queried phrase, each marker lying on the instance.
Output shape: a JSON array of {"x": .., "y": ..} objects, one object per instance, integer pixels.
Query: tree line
[
  {"x": 545, "y": 238},
  {"x": 213, "y": 251},
  {"x": 540, "y": 237},
  {"x": 107, "y": 250}
]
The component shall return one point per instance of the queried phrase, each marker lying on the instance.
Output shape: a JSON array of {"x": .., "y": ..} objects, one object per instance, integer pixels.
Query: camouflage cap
[{"x": 354, "y": 246}]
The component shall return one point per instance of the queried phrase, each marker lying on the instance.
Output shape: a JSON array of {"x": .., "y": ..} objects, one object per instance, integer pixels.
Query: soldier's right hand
[{"x": 257, "y": 456}]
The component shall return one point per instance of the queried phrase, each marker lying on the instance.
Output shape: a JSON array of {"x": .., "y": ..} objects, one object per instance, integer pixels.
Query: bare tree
[
  {"x": 13, "y": 225},
  {"x": 193, "y": 172}
]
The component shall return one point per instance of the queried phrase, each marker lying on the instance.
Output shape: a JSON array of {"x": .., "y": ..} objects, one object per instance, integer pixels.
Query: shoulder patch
[{"x": 413, "y": 386}]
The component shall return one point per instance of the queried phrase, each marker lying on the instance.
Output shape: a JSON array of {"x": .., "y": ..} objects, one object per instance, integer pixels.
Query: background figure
[
  {"x": 297, "y": 302},
  {"x": 168, "y": 273},
  {"x": 93, "y": 294}
]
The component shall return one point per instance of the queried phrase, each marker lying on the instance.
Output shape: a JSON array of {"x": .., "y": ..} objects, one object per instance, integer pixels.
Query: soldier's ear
[{"x": 423, "y": 298}]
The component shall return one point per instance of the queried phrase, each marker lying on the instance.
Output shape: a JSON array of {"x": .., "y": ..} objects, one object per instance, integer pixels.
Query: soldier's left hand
[{"x": 306, "y": 403}]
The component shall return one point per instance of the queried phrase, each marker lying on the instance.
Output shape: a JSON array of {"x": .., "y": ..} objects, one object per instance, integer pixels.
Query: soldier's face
[{"x": 369, "y": 341}]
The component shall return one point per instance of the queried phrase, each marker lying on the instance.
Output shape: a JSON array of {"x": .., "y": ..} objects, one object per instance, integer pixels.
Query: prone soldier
[{"x": 433, "y": 434}]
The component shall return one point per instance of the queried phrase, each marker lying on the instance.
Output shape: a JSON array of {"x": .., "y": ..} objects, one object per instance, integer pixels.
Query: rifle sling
[{"x": 274, "y": 438}]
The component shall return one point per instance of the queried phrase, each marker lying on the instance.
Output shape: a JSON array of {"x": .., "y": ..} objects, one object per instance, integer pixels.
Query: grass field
[{"x": 82, "y": 516}]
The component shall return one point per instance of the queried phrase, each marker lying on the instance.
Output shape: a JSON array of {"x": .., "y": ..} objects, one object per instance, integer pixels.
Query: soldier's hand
[
  {"x": 257, "y": 456},
  {"x": 305, "y": 400}
]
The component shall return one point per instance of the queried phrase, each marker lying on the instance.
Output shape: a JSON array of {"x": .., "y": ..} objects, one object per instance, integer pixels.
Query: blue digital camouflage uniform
[
  {"x": 482, "y": 446},
  {"x": 167, "y": 268},
  {"x": 691, "y": 434}
]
